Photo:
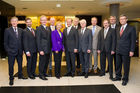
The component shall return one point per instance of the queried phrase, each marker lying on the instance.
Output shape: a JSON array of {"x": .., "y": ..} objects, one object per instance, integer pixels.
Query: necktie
[
  {"x": 105, "y": 32},
  {"x": 32, "y": 32},
  {"x": 16, "y": 32},
  {"x": 93, "y": 30},
  {"x": 121, "y": 32},
  {"x": 68, "y": 30}
]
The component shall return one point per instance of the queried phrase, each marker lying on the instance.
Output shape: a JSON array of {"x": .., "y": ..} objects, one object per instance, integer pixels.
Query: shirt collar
[
  {"x": 106, "y": 29},
  {"x": 124, "y": 26}
]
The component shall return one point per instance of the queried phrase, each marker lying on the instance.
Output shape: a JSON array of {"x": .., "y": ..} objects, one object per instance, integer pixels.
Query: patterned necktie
[
  {"x": 121, "y": 32},
  {"x": 33, "y": 32},
  {"x": 16, "y": 32}
]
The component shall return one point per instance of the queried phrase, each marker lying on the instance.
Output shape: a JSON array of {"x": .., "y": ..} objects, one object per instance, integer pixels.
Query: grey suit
[
  {"x": 94, "y": 46},
  {"x": 85, "y": 43}
]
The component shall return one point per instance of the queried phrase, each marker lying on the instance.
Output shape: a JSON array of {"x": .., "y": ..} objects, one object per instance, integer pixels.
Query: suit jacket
[
  {"x": 95, "y": 36},
  {"x": 71, "y": 40},
  {"x": 13, "y": 45},
  {"x": 57, "y": 41},
  {"x": 127, "y": 41},
  {"x": 29, "y": 41},
  {"x": 107, "y": 44},
  {"x": 43, "y": 38},
  {"x": 85, "y": 40}
]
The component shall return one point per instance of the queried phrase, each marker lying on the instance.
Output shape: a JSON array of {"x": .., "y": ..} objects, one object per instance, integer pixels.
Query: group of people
[{"x": 79, "y": 42}]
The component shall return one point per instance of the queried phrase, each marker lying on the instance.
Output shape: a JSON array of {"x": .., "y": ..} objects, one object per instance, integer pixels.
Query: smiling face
[
  {"x": 75, "y": 21},
  {"x": 29, "y": 23},
  {"x": 94, "y": 21},
  {"x": 123, "y": 20},
  {"x": 52, "y": 21},
  {"x": 43, "y": 20},
  {"x": 14, "y": 22},
  {"x": 112, "y": 20},
  {"x": 105, "y": 23},
  {"x": 69, "y": 22},
  {"x": 83, "y": 23},
  {"x": 58, "y": 26}
]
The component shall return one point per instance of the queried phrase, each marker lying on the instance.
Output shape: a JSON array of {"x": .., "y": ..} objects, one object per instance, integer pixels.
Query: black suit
[
  {"x": 43, "y": 37},
  {"x": 106, "y": 45},
  {"x": 85, "y": 43},
  {"x": 29, "y": 43},
  {"x": 77, "y": 54},
  {"x": 125, "y": 44},
  {"x": 13, "y": 46},
  {"x": 70, "y": 43}
]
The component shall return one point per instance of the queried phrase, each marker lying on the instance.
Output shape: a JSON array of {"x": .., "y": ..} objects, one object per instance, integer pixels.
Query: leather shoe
[
  {"x": 124, "y": 83},
  {"x": 11, "y": 82},
  {"x": 46, "y": 75},
  {"x": 72, "y": 75},
  {"x": 67, "y": 74},
  {"x": 116, "y": 79},
  {"x": 22, "y": 77},
  {"x": 102, "y": 75},
  {"x": 31, "y": 77},
  {"x": 43, "y": 78},
  {"x": 86, "y": 75}
]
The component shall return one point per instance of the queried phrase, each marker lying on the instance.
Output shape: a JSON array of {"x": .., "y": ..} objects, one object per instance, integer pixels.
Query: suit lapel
[
  {"x": 124, "y": 31},
  {"x": 13, "y": 32}
]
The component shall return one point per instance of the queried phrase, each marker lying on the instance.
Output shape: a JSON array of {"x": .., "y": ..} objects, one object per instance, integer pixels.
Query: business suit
[
  {"x": 30, "y": 46},
  {"x": 77, "y": 54},
  {"x": 50, "y": 61},
  {"x": 85, "y": 43},
  {"x": 43, "y": 37},
  {"x": 106, "y": 45},
  {"x": 114, "y": 55},
  {"x": 13, "y": 46},
  {"x": 57, "y": 45},
  {"x": 94, "y": 46},
  {"x": 125, "y": 44},
  {"x": 70, "y": 43}
]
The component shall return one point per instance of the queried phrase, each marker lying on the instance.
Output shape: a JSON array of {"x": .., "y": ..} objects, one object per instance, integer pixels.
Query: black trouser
[
  {"x": 11, "y": 62},
  {"x": 78, "y": 60},
  {"x": 84, "y": 59},
  {"x": 114, "y": 57},
  {"x": 70, "y": 60},
  {"x": 125, "y": 60},
  {"x": 43, "y": 63},
  {"x": 57, "y": 60},
  {"x": 109, "y": 57},
  {"x": 31, "y": 64}
]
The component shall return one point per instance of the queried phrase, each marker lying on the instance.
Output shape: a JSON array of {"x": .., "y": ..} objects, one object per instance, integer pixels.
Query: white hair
[{"x": 83, "y": 21}]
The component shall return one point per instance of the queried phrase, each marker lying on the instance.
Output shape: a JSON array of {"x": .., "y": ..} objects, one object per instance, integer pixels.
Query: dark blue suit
[
  {"x": 125, "y": 44},
  {"x": 13, "y": 46}
]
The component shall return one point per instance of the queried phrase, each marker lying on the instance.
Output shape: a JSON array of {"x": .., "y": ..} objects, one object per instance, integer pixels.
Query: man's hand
[
  {"x": 56, "y": 51},
  {"x": 98, "y": 51},
  {"x": 131, "y": 54},
  {"x": 75, "y": 50},
  {"x": 41, "y": 53},
  {"x": 112, "y": 52},
  {"x": 88, "y": 51}
]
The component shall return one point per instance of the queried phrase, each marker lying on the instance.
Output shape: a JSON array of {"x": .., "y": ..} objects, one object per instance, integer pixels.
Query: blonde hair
[
  {"x": 76, "y": 18},
  {"x": 58, "y": 23},
  {"x": 14, "y": 18}
]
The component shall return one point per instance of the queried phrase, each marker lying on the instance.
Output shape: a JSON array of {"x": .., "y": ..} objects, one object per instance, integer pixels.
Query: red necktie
[
  {"x": 121, "y": 32},
  {"x": 33, "y": 32}
]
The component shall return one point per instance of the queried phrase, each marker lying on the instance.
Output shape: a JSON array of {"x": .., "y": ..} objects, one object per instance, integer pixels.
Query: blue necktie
[{"x": 93, "y": 30}]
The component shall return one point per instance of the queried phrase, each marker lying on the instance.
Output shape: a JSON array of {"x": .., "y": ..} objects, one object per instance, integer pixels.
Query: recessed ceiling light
[{"x": 58, "y": 5}]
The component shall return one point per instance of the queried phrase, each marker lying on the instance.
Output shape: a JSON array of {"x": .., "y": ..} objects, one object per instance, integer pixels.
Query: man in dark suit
[
  {"x": 113, "y": 25},
  {"x": 71, "y": 47},
  {"x": 125, "y": 47},
  {"x": 77, "y": 27},
  {"x": 106, "y": 47},
  {"x": 13, "y": 46},
  {"x": 52, "y": 27},
  {"x": 85, "y": 46},
  {"x": 30, "y": 48},
  {"x": 43, "y": 37}
]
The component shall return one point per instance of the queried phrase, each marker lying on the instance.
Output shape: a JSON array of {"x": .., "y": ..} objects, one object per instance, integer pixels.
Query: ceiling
[{"x": 71, "y": 7}]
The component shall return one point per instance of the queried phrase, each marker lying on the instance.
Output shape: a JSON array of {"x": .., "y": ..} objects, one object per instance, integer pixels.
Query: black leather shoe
[
  {"x": 102, "y": 75},
  {"x": 124, "y": 83},
  {"x": 67, "y": 74},
  {"x": 22, "y": 77},
  {"x": 111, "y": 78},
  {"x": 31, "y": 77},
  {"x": 86, "y": 75},
  {"x": 107, "y": 71},
  {"x": 72, "y": 75},
  {"x": 43, "y": 78},
  {"x": 46, "y": 75},
  {"x": 58, "y": 77},
  {"x": 11, "y": 82},
  {"x": 116, "y": 79}
]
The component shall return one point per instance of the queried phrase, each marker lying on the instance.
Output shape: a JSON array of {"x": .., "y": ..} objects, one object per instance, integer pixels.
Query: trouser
[
  {"x": 11, "y": 62},
  {"x": 125, "y": 61},
  {"x": 57, "y": 60},
  {"x": 43, "y": 63},
  {"x": 70, "y": 61},
  {"x": 50, "y": 61},
  {"x": 31, "y": 64}
]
